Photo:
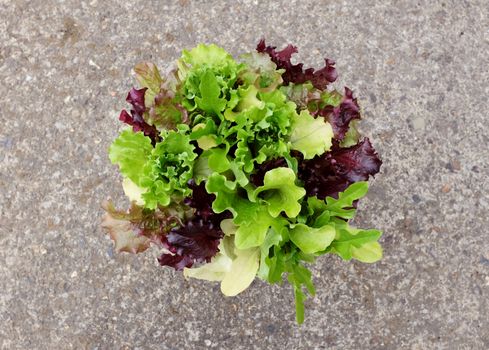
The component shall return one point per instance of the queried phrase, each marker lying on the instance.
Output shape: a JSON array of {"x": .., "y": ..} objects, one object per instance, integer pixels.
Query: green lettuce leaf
[
  {"x": 210, "y": 99},
  {"x": 343, "y": 206},
  {"x": 204, "y": 134},
  {"x": 131, "y": 151},
  {"x": 280, "y": 192},
  {"x": 312, "y": 240},
  {"x": 352, "y": 136},
  {"x": 242, "y": 273},
  {"x": 210, "y": 55},
  {"x": 215, "y": 270},
  {"x": 299, "y": 276},
  {"x": 355, "y": 243},
  {"x": 209, "y": 74},
  {"x": 226, "y": 198},
  {"x": 218, "y": 160},
  {"x": 273, "y": 238},
  {"x": 369, "y": 252},
  {"x": 169, "y": 169},
  {"x": 201, "y": 170},
  {"x": 311, "y": 137},
  {"x": 252, "y": 218},
  {"x": 331, "y": 98},
  {"x": 251, "y": 233},
  {"x": 235, "y": 268}
]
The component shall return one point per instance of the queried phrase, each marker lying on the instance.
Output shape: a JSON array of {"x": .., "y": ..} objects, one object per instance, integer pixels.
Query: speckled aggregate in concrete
[{"x": 421, "y": 72}]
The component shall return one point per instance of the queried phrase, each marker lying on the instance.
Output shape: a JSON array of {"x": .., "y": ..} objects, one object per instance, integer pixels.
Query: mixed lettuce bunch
[{"x": 245, "y": 168}]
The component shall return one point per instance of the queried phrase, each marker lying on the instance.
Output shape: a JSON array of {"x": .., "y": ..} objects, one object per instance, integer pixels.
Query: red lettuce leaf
[
  {"x": 333, "y": 172},
  {"x": 201, "y": 202},
  {"x": 125, "y": 238},
  {"x": 294, "y": 73},
  {"x": 135, "y": 229},
  {"x": 178, "y": 262},
  {"x": 340, "y": 117},
  {"x": 136, "y": 118},
  {"x": 165, "y": 113},
  {"x": 187, "y": 243},
  {"x": 196, "y": 241}
]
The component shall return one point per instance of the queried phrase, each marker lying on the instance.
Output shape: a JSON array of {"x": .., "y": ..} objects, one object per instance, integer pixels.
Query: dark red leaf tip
[{"x": 294, "y": 72}]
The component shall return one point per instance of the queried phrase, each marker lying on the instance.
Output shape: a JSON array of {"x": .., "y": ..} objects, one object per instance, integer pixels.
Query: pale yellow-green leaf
[
  {"x": 311, "y": 136},
  {"x": 242, "y": 273},
  {"x": 133, "y": 191},
  {"x": 213, "y": 271},
  {"x": 369, "y": 252},
  {"x": 311, "y": 240},
  {"x": 207, "y": 142},
  {"x": 228, "y": 227}
]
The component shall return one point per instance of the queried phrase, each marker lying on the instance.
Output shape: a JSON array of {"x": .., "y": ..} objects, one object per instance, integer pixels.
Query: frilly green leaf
[
  {"x": 131, "y": 151},
  {"x": 280, "y": 192},
  {"x": 210, "y": 55},
  {"x": 169, "y": 169}
]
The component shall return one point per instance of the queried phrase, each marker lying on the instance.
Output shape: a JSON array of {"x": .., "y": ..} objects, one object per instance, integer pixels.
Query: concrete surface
[{"x": 421, "y": 72}]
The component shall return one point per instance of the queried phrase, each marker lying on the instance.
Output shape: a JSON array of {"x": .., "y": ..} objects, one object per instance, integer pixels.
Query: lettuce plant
[{"x": 242, "y": 168}]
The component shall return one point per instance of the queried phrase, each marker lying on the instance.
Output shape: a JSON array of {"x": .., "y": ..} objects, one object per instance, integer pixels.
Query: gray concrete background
[{"x": 420, "y": 70}]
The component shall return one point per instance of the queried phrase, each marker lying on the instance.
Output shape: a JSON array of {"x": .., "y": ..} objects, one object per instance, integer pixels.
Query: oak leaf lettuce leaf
[
  {"x": 332, "y": 172},
  {"x": 294, "y": 73},
  {"x": 351, "y": 242}
]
